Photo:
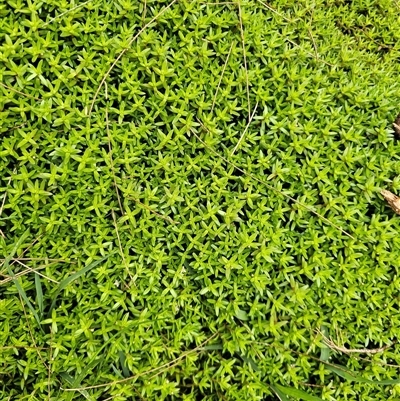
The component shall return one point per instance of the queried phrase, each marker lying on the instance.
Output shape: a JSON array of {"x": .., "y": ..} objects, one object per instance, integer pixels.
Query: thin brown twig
[
  {"x": 312, "y": 36},
  {"x": 18, "y": 126},
  {"x": 153, "y": 211},
  {"x": 116, "y": 189},
  {"x": 165, "y": 365},
  {"x": 3, "y": 203},
  {"x": 125, "y": 50},
  {"x": 50, "y": 361},
  {"x": 19, "y": 92},
  {"x": 377, "y": 362},
  {"x": 270, "y": 186},
  {"x": 353, "y": 28},
  {"x": 220, "y": 78},
  {"x": 112, "y": 397},
  {"x": 110, "y": 154},
  {"x": 329, "y": 342},
  {"x": 245, "y": 130},
  {"x": 244, "y": 57},
  {"x": 120, "y": 246},
  {"x": 315, "y": 358},
  {"x": 144, "y": 11}
]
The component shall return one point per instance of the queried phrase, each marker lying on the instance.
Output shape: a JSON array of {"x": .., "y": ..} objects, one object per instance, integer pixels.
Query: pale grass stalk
[
  {"x": 116, "y": 190},
  {"x": 314, "y": 44},
  {"x": 244, "y": 57},
  {"x": 19, "y": 92},
  {"x": 120, "y": 246},
  {"x": 220, "y": 78},
  {"x": 311, "y": 35},
  {"x": 29, "y": 270},
  {"x": 274, "y": 11},
  {"x": 245, "y": 130}
]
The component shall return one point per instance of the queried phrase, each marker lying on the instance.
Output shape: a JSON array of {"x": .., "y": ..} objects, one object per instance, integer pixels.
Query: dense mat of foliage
[{"x": 172, "y": 263}]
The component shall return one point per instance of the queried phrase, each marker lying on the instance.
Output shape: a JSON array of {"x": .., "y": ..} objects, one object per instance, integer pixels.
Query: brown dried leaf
[
  {"x": 396, "y": 125},
  {"x": 392, "y": 199}
]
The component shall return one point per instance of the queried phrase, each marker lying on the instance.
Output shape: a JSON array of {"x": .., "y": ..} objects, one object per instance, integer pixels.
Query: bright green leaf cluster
[{"x": 145, "y": 254}]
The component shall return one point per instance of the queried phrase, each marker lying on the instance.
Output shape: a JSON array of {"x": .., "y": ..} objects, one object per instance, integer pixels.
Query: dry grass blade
[
  {"x": 29, "y": 270},
  {"x": 345, "y": 350},
  {"x": 116, "y": 190},
  {"x": 4, "y": 198},
  {"x": 274, "y": 11},
  {"x": 245, "y": 130},
  {"x": 222, "y": 75},
  {"x": 314, "y": 44},
  {"x": 312, "y": 36},
  {"x": 31, "y": 334},
  {"x": 166, "y": 365},
  {"x": 66, "y": 12},
  {"x": 144, "y": 10},
  {"x": 125, "y": 50},
  {"x": 49, "y": 367},
  {"x": 392, "y": 199},
  {"x": 244, "y": 57},
  {"x": 271, "y": 187}
]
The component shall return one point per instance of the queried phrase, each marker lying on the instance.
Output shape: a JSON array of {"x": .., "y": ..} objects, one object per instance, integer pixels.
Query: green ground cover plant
[{"x": 190, "y": 200}]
